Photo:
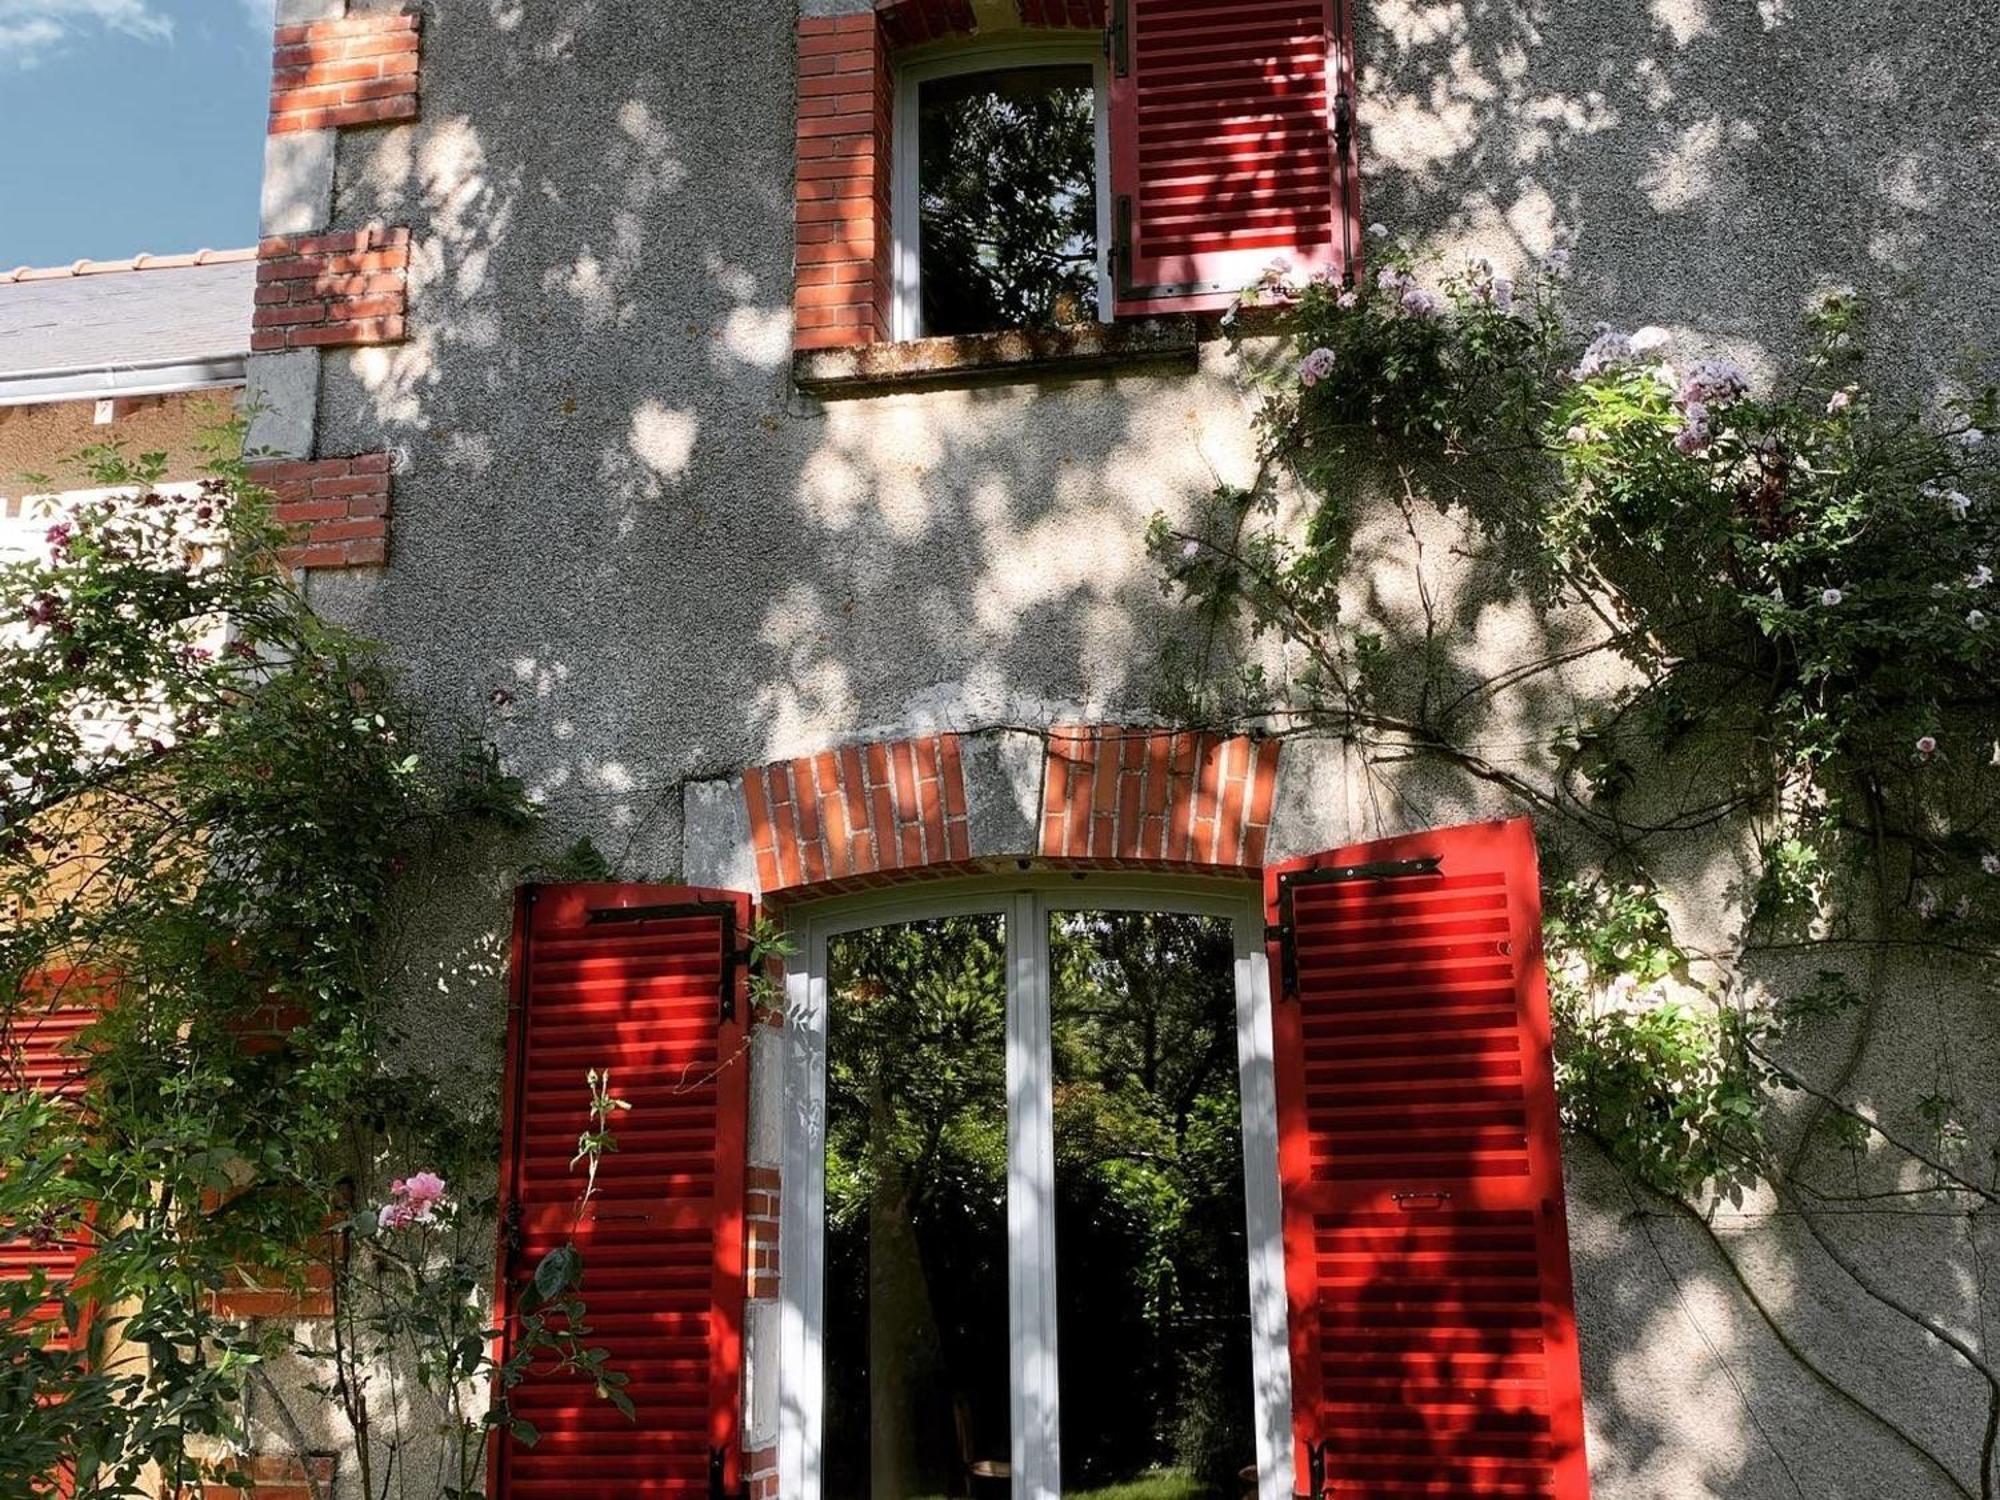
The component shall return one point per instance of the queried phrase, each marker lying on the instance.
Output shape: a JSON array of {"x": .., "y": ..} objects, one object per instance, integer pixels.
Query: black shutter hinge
[
  {"x": 1316, "y": 1456},
  {"x": 511, "y": 1228},
  {"x": 715, "y": 1472},
  {"x": 1118, "y": 39},
  {"x": 1283, "y": 932},
  {"x": 733, "y": 958},
  {"x": 1343, "y": 122}
]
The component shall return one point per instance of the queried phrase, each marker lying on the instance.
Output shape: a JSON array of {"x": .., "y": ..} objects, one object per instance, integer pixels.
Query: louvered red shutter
[
  {"x": 644, "y": 981},
  {"x": 1427, "y": 1262},
  {"x": 1231, "y": 144},
  {"x": 39, "y": 1044}
]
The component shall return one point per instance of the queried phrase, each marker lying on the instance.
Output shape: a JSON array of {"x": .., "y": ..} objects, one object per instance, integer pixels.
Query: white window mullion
[
  {"x": 1270, "y": 1339},
  {"x": 1031, "y": 1196}
]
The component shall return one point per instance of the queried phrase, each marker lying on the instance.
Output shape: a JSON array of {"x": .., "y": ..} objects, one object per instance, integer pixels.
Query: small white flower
[
  {"x": 1578, "y": 434},
  {"x": 1229, "y": 317},
  {"x": 1960, "y": 503},
  {"x": 1190, "y": 550},
  {"x": 1830, "y": 597},
  {"x": 1651, "y": 339},
  {"x": 1378, "y": 231},
  {"x": 1348, "y": 300},
  {"x": 1976, "y": 619},
  {"x": 1927, "y": 744},
  {"x": 1927, "y": 905},
  {"x": 1972, "y": 437},
  {"x": 1990, "y": 862},
  {"x": 1979, "y": 577},
  {"x": 1839, "y": 401}
]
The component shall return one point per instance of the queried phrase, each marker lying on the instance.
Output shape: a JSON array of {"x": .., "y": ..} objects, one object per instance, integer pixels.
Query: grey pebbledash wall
[{"x": 624, "y": 542}]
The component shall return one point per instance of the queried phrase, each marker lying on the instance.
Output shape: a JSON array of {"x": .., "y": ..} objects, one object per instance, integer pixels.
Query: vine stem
[{"x": 1960, "y": 1184}]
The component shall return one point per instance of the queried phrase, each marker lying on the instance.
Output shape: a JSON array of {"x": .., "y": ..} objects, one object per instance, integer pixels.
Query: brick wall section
[
  {"x": 358, "y": 71},
  {"x": 760, "y": 1473},
  {"x": 846, "y": 110},
  {"x": 324, "y": 290},
  {"x": 242, "y": 1296},
  {"x": 338, "y": 508},
  {"x": 858, "y": 811},
  {"x": 1081, "y": 13},
  {"x": 1154, "y": 794},
  {"x": 905, "y": 22},
  {"x": 760, "y": 1230},
  {"x": 272, "y": 1477}
]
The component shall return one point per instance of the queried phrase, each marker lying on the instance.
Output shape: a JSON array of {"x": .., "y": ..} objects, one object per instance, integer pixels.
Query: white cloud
[{"x": 30, "y": 29}]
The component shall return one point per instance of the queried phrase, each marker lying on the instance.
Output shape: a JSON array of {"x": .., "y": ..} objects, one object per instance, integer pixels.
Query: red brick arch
[{"x": 1111, "y": 796}]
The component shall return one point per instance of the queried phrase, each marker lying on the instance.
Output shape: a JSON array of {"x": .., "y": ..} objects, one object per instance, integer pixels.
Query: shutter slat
[
  {"x": 662, "y": 1239},
  {"x": 1223, "y": 151},
  {"x": 1427, "y": 1260},
  {"x": 39, "y": 1046}
]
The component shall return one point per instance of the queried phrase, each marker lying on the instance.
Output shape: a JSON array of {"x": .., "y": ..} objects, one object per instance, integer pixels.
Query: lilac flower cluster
[
  {"x": 1710, "y": 385},
  {"x": 1315, "y": 367}
]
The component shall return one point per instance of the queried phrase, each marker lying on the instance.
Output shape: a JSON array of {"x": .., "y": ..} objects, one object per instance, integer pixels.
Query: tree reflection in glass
[
  {"x": 1152, "y": 1277},
  {"x": 916, "y": 1212}
]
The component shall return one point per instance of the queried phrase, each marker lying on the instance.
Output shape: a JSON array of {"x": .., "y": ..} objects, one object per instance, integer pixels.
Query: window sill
[{"x": 872, "y": 369}]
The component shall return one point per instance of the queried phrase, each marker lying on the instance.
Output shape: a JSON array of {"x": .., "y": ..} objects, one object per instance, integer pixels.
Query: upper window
[{"x": 1000, "y": 210}]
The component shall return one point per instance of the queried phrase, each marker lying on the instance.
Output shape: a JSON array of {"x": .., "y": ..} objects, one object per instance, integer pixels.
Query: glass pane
[
  {"x": 916, "y": 1212},
  {"x": 1152, "y": 1265},
  {"x": 1008, "y": 173}
]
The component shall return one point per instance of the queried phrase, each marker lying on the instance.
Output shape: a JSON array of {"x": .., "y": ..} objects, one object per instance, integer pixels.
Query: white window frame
[
  {"x": 906, "y": 218},
  {"x": 1026, "y": 904}
]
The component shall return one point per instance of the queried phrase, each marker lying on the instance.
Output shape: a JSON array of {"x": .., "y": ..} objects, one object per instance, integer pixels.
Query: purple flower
[
  {"x": 1831, "y": 597},
  {"x": 1840, "y": 401},
  {"x": 1421, "y": 302},
  {"x": 1714, "y": 382},
  {"x": 1349, "y": 300},
  {"x": 1927, "y": 745},
  {"x": 1609, "y": 348},
  {"x": 1990, "y": 862},
  {"x": 1315, "y": 367}
]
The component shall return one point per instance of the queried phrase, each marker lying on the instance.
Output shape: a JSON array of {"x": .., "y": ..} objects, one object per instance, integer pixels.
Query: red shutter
[
  {"x": 1426, "y": 1258},
  {"x": 38, "y": 1047},
  {"x": 1229, "y": 146},
  {"x": 643, "y": 980}
]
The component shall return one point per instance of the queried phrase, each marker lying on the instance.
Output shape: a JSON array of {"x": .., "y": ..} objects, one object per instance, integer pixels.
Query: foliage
[
  {"x": 207, "y": 796},
  {"x": 1797, "y": 581}
]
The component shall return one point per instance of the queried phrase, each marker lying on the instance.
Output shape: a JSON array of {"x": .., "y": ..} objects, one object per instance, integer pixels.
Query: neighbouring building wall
[
  {"x": 628, "y": 545},
  {"x": 46, "y": 439}
]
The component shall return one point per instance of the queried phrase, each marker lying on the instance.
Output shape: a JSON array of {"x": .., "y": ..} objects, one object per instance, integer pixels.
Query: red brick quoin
[
  {"x": 327, "y": 290},
  {"x": 338, "y": 508},
  {"x": 1116, "y": 793},
  {"x": 846, "y": 106},
  {"x": 357, "y": 71},
  {"x": 271, "y": 1476}
]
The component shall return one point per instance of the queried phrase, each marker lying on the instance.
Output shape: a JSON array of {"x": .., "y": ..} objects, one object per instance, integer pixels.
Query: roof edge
[
  {"x": 164, "y": 378},
  {"x": 143, "y": 261}
]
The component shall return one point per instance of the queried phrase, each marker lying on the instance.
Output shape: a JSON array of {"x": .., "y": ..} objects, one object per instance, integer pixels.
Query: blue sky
[{"x": 130, "y": 125}]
